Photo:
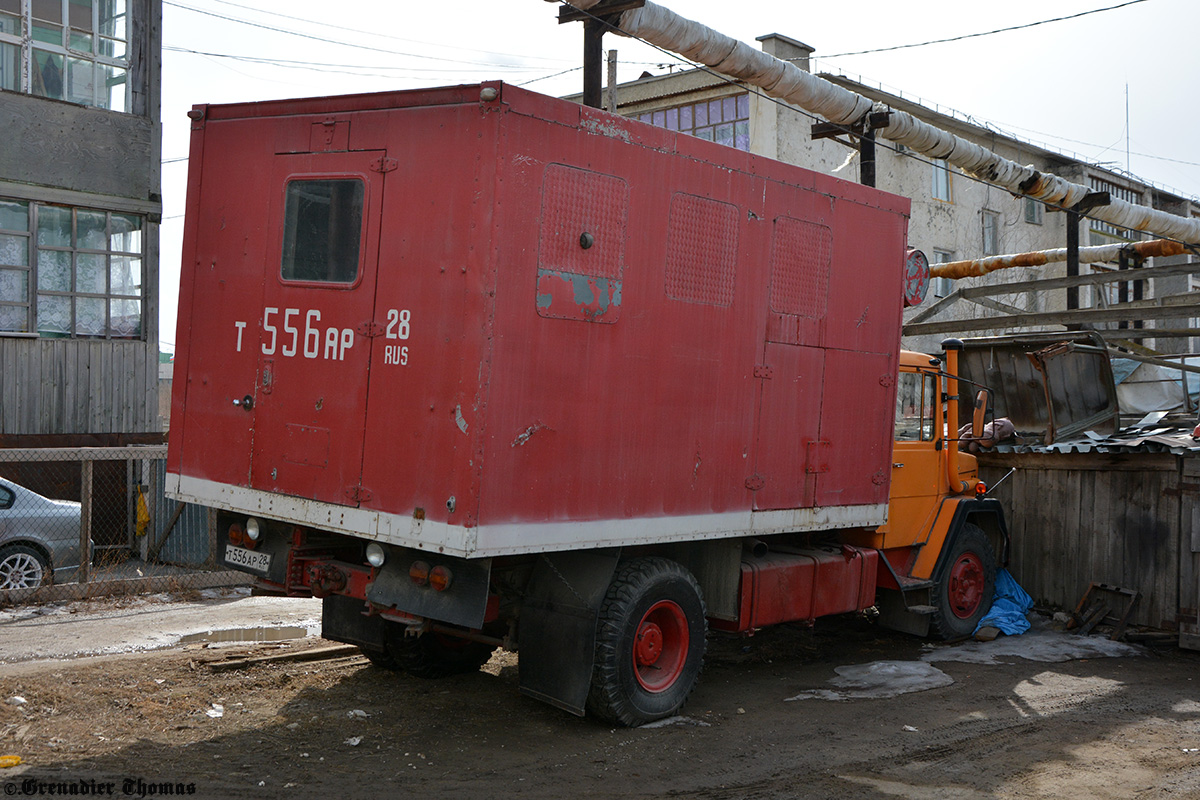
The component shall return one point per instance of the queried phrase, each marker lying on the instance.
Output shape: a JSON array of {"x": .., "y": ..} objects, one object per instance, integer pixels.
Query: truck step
[{"x": 922, "y": 609}]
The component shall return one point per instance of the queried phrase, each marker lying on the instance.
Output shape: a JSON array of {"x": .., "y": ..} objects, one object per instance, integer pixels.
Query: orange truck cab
[{"x": 944, "y": 540}]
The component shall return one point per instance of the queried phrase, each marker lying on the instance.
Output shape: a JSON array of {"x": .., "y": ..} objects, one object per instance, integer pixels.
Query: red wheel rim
[
  {"x": 660, "y": 646},
  {"x": 966, "y": 585}
]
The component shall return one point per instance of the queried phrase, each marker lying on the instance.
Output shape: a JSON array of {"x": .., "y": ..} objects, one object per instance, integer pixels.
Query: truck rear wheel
[
  {"x": 962, "y": 593},
  {"x": 435, "y": 655},
  {"x": 649, "y": 643}
]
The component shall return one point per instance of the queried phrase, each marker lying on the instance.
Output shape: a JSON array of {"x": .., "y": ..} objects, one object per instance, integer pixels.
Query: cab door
[
  {"x": 918, "y": 470},
  {"x": 309, "y": 403}
]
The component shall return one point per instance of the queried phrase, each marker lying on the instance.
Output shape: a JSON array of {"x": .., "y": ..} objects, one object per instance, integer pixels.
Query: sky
[{"x": 1071, "y": 85}]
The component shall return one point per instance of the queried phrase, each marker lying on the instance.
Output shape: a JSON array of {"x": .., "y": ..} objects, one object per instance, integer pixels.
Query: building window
[
  {"x": 73, "y": 50},
  {"x": 1033, "y": 211},
  {"x": 1102, "y": 232},
  {"x": 991, "y": 233},
  {"x": 725, "y": 121},
  {"x": 70, "y": 272},
  {"x": 940, "y": 287},
  {"x": 941, "y": 180}
]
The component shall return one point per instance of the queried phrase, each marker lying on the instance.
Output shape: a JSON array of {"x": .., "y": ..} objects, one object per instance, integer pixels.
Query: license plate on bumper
[{"x": 247, "y": 559}]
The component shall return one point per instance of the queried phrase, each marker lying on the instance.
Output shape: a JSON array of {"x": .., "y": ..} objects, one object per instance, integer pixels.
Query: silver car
[{"x": 39, "y": 537}]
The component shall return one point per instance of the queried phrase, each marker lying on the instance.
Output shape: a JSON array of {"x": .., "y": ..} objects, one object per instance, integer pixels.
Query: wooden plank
[
  {"x": 1090, "y": 279},
  {"x": 1070, "y": 583},
  {"x": 1124, "y": 312}
]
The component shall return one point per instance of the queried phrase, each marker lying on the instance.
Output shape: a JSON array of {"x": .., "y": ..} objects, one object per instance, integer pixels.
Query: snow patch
[
  {"x": 1040, "y": 644},
  {"x": 879, "y": 679}
]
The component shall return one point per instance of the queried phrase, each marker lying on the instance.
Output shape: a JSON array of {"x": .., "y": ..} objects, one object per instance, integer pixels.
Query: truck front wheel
[
  {"x": 649, "y": 642},
  {"x": 963, "y": 590}
]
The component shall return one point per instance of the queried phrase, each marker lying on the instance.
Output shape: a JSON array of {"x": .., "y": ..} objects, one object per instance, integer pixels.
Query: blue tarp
[{"x": 1010, "y": 604}]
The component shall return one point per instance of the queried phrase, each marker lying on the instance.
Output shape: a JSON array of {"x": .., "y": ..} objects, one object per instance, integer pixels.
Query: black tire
[
  {"x": 635, "y": 680},
  {"x": 435, "y": 655},
  {"x": 23, "y": 567},
  {"x": 966, "y": 580}
]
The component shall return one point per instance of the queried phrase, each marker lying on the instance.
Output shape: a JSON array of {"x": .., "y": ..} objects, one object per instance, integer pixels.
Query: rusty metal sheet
[{"x": 1052, "y": 386}]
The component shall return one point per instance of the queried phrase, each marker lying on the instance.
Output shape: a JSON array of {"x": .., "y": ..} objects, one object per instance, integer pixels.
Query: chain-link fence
[{"x": 92, "y": 521}]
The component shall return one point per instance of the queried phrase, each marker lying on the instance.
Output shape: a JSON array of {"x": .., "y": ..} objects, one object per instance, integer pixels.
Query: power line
[
  {"x": 342, "y": 68},
  {"x": 331, "y": 41},
  {"x": 384, "y": 35},
  {"x": 985, "y": 33},
  {"x": 554, "y": 75}
]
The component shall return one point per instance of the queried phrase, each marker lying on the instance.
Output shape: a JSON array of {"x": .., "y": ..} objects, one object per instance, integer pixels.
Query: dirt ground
[{"x": 166, "y": 722}]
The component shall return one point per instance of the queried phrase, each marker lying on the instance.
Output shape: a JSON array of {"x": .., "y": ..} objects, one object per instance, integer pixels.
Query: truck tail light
[
  {"x": 980, "y": 489},
  {"x": 440, "y": 578},
  {"x": 419, "y": 573},
  {"x": 236, "y": 535}
]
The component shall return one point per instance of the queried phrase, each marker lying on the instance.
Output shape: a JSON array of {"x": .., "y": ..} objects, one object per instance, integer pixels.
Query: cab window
[{"x": 916, "y": 394}]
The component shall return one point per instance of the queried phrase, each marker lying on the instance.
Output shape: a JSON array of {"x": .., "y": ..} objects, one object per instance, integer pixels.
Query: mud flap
[
  {"x": 343, "y": 619},
  {"x": 557, "y": 635},
  {"x": 464, "y": 603}
]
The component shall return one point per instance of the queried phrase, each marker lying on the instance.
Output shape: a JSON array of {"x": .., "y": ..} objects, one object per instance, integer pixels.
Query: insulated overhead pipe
[
  {"x": 666, "y": 29},
  {"x": 1087, "y": 255}
]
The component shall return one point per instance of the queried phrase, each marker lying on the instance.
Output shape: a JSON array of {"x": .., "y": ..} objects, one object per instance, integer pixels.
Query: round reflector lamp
[
  {"x": 253, "y": 531},
  {"x": 376, "y": 554}
]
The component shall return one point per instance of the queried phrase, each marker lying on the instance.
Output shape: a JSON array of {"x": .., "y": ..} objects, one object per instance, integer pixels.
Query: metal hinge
[
  {"x": 370, "y": 329},
  {"x": 359, "y": 494},
  {"x": 763, "y": 371},
  {"x": 384, "y": 164}
]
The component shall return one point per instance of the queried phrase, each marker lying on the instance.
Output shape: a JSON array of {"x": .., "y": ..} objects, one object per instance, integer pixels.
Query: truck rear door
[{"x": 310, "y": 402}]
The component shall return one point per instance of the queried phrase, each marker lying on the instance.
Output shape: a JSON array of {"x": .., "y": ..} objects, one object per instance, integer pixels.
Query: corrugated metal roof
[{"x": 1134, "y": 439}]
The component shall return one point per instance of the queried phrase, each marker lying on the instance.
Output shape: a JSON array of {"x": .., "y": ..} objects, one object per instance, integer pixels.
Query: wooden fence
[{"x": 1127, "y": 520}]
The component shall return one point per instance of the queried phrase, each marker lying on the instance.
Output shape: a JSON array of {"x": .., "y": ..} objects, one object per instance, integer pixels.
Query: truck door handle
[
  {"x": 895, "y": 464},
  {"x": 246, "y": 402}
]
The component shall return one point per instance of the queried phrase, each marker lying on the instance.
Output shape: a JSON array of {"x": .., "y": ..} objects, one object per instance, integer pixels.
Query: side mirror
[{"x": 977, "y": 419}]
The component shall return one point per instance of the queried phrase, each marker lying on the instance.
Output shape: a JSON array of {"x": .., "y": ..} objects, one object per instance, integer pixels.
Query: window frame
[
  {"x": 38, "y": 251},
  {"x": 686, "y": 118},
  {"x": 105, "y": 71},
  {"x": 943, "y": 189},
  {"x": 1034, "y": 211},
  {"x": 364, "y": 198},
  {"x": 990, "y": 221},
  {"x": 937, "y": 256},
  {"x": 927, "y": 406}
]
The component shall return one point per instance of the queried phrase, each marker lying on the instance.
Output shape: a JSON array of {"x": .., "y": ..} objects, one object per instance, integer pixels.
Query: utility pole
[{"x": 596, "y": 21}]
